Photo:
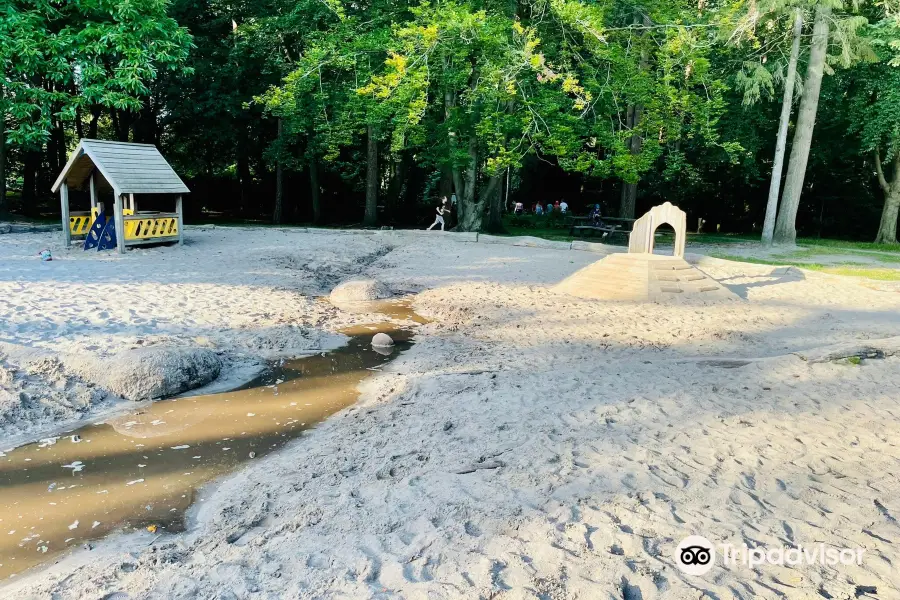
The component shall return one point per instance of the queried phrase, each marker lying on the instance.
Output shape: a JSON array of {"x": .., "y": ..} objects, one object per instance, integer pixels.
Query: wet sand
[{"x": 143, "y": 469}]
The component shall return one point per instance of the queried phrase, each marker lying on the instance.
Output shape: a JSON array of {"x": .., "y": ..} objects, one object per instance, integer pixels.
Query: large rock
[
  {"x": 152, "y": 372},
  {"x": 359, "y": 290}
]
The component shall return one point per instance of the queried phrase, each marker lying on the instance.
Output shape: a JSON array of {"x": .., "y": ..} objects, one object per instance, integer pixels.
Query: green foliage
[{"x": 57, "y": 57}]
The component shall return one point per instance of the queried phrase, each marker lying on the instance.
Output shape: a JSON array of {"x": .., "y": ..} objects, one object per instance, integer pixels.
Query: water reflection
[{"x": 143, "y": 469}]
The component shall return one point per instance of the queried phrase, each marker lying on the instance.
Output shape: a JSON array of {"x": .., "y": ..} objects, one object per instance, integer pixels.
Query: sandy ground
[
  {"x": 248, "y": 296},
  {"x": 530, "y": 445}
]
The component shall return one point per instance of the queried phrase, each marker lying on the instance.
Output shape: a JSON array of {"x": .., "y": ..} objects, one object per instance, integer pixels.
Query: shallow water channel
[{"x": 144, "y": 469}]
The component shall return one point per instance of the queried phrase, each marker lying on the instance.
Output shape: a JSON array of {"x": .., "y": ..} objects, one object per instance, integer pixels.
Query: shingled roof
[{"x": 126, "y": 167}]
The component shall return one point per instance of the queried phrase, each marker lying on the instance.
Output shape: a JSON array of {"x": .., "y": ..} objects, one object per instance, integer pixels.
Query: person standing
[
  {"x": 563, "y": 207},
  {"x": 441, "y": 211}
]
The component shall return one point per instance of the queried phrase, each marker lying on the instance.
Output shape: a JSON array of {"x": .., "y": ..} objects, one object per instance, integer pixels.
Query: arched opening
[{"x": 664, "y": 237}]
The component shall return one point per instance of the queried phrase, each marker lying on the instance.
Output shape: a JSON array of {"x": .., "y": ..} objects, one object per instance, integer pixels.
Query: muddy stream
[{"x": 144, "y": 469}]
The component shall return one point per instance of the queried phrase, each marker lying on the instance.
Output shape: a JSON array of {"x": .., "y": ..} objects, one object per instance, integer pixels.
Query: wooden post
[
  {"x": 179, "y": 208},
  {"x": 64, "y": 204},
  {"x": 131, "y": 203},
  {"x": 120, "y": 223},
  {"x": 93, "y": 189}
]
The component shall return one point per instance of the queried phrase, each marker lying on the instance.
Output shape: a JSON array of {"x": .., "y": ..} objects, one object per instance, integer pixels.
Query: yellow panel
[
  {"x": 150, "y": 228},
  {"x": 80, "y": 224}
]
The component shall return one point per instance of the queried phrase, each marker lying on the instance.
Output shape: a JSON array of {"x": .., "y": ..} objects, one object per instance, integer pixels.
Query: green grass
[
  {"x": 721, "y": 238},
  {"x": 559, "y": 235},
  {"x": 848, "y": 269},
  {"x": 881, "y": 274},
  {"x": 823, "y": 243},
  {"x": 850, "y": 245},
  {"x": 775, "y": 262}
]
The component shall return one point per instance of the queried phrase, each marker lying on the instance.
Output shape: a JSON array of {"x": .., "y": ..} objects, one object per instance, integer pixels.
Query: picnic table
[{"x": 611, "y": 225}]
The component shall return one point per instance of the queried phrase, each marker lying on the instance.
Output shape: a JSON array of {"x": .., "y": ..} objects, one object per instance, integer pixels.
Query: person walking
[{"x": 441, "y": 211}]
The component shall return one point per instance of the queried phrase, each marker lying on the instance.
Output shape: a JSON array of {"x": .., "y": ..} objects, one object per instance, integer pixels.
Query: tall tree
[
  {"x": 873, "y": 109},
  {"x": 887, "y": 228},
  {"x": 787, "y": 104},
  {"x": 785, "y": 229},
  {"x": 58, "y": 57},
  {"x": 371, "y": 215}
]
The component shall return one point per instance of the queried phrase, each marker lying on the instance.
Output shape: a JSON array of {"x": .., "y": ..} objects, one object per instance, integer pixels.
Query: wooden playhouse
[{"x": 128, "y": 171}]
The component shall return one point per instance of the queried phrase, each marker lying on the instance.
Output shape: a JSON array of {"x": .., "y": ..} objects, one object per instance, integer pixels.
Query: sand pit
[{"x": 530, "y": 445}]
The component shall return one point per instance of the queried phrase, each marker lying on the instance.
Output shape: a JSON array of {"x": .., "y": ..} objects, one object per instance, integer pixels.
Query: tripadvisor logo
[{"x": 696, "y": 555}]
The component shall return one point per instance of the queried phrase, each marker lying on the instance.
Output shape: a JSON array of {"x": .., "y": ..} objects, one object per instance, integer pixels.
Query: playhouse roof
[{"x": 126, "y": 167}]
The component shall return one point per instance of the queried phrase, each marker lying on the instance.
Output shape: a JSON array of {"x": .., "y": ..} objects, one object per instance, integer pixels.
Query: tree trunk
[
  {"x": 628, "y": 199},
  {"x": 636, "y": 143},
  {"x": 96, "y": 110},
  {"x": 370, "y": 219},
  {"x": 279, "y": 185},
  {"x": 785, "y": 226},
  {"x": 60, "y": 147},
  {"x": 787, "y": 102},
  {"x": 495, "y": 202},
  {"x": 79, "y": 126},
  {"x": 30, "y": 164},
  {"x": 394, "y": 194},
  {"x": 245, "y": 179},
  {"x": 887, "y": 229},
  {"x": 315, "y": 192},
  {"x": 114, "y": 117},
  {"x": 4, "y": 209},
  {"x": 445, "y": 188},
  {"x": 470, "y": 213}
]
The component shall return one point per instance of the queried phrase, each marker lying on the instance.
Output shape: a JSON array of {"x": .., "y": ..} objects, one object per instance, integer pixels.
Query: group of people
[
  {"x": 537, "y": 208},
  {"x": 560, "y": 206}
]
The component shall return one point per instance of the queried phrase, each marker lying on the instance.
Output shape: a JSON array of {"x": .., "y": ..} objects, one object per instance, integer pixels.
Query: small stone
[
  {"x": 382, "y": 340},
  {"x": 253, "y": 455}
]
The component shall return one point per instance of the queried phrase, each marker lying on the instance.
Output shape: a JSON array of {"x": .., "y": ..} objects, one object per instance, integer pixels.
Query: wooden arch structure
[
  {"x": 128, "y": 170},
  {"x": 642, "y": 234}
]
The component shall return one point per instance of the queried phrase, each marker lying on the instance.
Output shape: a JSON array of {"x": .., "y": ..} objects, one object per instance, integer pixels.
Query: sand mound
[
  {"x": 359, "y": 290},
  {"x": 152, "y": 372},
  {"x": 643, "y": 277}
]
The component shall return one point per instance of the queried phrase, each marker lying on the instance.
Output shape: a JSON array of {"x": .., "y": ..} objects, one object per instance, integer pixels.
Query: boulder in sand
[
  {"x": 359, "y": 290},
  {"x": 152, "y": 372},
  {"x": 382, "y": 340}
]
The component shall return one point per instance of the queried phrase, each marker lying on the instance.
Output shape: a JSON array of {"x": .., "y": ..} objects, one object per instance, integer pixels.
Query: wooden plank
[
  {"x": 125, "y": 149},
  {"x": 155, "y": 189},
  {"x": 140, "y": 177},
  {"x": 140, "y": 166},
  {"x": 93, "y": 189},
  {"x": 144, "y": 242},
  {"x": 64, "y": 204},
  {"x": 136, "y": 168},
  {"x": 113, "y": 143},
  {"x": 151, "y": 158},
  {"x": 111, "y": 157},
  {"x": 155, "y": 215},
  {"x": 120, "y": 223},
  {"x": 148, "y": 181},
  {"x": 179, "y": 208}
]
